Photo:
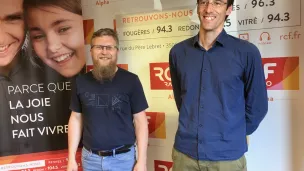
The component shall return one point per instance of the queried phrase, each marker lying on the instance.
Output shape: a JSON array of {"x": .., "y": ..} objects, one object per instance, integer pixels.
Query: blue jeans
[{"x": 118, "y": 162}]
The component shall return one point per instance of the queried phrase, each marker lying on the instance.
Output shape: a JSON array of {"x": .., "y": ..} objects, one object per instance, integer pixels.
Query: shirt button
[
  {"x": 200, "y": 125},
  {"x": 202, "y": 106},
  {"x": 201, "y": 142},
  {"x": 205, "y": 70}
]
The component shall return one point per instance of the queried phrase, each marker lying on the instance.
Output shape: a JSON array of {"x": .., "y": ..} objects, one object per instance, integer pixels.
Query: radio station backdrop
[{"x": 147, "y": 30}]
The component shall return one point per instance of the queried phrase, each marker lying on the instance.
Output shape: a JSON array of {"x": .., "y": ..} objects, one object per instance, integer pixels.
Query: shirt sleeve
[
  {"x": 75, "y": 104},
  {"x": 138, "y": 99},
  {"x": 175, "y": 80},
  {"x": 255, "y": 91}
]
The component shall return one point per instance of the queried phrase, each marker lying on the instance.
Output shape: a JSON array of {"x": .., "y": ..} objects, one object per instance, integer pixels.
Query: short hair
[
  {"x": 106, "y": 32},
  {"x": 229, "y": 3},
  {"x": 73, "y": 6}
]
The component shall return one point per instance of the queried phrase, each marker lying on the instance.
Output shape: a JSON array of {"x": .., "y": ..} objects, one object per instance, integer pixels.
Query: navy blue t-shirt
[{"x": 107, "y": 108}]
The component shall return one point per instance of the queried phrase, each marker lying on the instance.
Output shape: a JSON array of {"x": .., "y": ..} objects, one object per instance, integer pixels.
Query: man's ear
[{"x": 229, "y": 10}]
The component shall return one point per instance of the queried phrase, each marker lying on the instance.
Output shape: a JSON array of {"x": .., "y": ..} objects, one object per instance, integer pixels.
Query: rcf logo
[
  {"x": 157, "y": 125},
  {"x": 281, "y": 73},
  {"x": 244, "y": 36},
  {"x": 160, "y": 76},
  {"x": 102, "y": 2},
  {"x": 88, "y": 29},
  {"x": 290, "y": 36},
  {"x": 162, "y": 165},
  {"x": 265, "y": 38},
  {"x": 123, "y": 66}
]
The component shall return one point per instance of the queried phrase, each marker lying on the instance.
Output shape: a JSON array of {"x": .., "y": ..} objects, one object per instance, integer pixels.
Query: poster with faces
[{"x": 41, "y": 52}]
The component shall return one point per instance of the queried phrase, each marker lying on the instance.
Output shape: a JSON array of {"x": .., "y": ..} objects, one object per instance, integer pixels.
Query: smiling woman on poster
[{"x": 56, "y": 32}]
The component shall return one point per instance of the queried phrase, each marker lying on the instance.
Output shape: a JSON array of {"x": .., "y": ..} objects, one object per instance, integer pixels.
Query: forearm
[
  {"x": 74, "y": 133},
  {"x": 141, "y": 131}
]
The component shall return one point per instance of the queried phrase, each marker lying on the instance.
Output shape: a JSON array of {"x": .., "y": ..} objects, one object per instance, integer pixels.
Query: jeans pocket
[
  {"x": 130, "y": 155},
  {"x": 176, "y": 155},
  {"x": 85, "y": 153},
  {"x": 241, "y": 163},
  {"x": 172, "y": 154}
]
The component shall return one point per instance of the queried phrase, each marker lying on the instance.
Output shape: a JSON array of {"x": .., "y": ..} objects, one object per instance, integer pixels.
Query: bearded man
[{"x": 108, "y": 109}]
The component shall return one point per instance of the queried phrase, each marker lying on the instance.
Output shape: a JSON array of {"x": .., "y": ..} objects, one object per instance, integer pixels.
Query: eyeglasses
[
  {"x": 101, "y": 47},
  {"x": 215, "y": 4}
]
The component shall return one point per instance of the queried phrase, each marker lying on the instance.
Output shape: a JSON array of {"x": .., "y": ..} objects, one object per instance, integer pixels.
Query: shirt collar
[{"x": 221, "y": 38}]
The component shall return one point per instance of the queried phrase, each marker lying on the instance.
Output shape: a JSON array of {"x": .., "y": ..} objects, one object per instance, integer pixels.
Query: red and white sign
[
  {"x": 160, "y": 76},
  {"x": 162, "y": 165},
  {"x": 281, "y": 73}
]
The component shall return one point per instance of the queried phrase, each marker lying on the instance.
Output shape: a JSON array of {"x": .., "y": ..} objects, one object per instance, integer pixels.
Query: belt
[{"x": 119, "y": 150}]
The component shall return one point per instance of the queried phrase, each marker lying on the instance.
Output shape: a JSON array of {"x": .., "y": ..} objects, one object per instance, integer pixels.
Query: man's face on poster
[{"x": 12, "y": 32}]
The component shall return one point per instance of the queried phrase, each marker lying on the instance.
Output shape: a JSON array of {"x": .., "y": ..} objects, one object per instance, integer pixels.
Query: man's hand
[
  {"x": 72, "y": 165},
  {"x": 140, "y": 166}
]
